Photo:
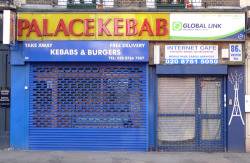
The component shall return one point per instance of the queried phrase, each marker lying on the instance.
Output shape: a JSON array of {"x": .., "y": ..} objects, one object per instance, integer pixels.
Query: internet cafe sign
[{"x": 94, "y": 26}]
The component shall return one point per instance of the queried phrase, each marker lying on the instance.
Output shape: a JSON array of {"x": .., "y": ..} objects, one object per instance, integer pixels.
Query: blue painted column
[
  {"x": 152, "y": 108},
  {"x": 18, "y": 98},
  {"x": 236, "y": 111}
]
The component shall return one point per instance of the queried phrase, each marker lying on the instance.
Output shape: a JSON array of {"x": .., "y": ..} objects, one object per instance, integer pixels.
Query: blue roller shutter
[{"x": 88, "y": 106}]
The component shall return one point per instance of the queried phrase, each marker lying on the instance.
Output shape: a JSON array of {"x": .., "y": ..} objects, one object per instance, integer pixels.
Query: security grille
[
  {"x": 95, "y": 106},
  {"x": 176, "y": 111},
  {"x": 190, "y": 114}
]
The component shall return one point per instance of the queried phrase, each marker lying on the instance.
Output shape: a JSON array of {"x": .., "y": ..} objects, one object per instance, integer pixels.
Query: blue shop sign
[{"x": 86, "y": 51}]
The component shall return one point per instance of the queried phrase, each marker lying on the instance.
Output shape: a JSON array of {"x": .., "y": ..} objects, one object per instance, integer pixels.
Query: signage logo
[
  {"x": 240, "y": 36},
  {"x": 177, "y": 26}
]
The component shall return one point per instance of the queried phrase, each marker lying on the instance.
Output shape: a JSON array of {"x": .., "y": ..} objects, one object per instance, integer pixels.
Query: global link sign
[
  {"x": 178, "y": 26},
  {"x": 118, "y": 26},
  {"x": 207, "y": 27}
]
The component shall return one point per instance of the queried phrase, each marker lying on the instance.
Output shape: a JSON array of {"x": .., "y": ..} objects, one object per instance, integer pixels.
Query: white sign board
[
  {"x": 224, "y": 53},
  {"x": 207, "y": 26},
  {"x": 191, "y": 54},
  {"x": 236, "y": 52},
  {"x": 9, "y": 20},
  {"x": 247, "y": 103}
]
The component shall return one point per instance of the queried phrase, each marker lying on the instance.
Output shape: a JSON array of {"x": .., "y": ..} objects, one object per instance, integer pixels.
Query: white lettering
[{"x": 63, "y": 52}]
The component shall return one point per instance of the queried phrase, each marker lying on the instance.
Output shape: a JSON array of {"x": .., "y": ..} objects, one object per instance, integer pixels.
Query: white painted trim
[
  {"x": 6, "y": 27},
  {"x": 156, "y": 54}
]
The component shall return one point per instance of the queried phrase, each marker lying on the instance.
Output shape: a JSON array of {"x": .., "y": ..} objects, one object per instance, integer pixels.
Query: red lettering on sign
[
  {"x": 129, "y": 27},
  {"x": 21, "y": 27},
  {"x": 45, "y": 26},
  {"x": 117, "y": 26},
  {"x": 61, "y": 27},
  {"x": 148, "y": 28},
  {"x": 159, "y": 27},
  {"x": 87, "y": 27},
  {"x": 102, "y": 27},
  {"x": 132, "y": 28},
  {"x": 71, "y": 27},
  {"x": 36, "y": 28}
]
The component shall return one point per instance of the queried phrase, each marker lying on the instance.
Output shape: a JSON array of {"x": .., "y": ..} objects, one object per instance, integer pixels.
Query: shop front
[
  {"x": 92, "y": 101},
  {"x": 198, "y": 105},
  {"x": 82, "y": 82},
  {"x": 197, "y": 87}
]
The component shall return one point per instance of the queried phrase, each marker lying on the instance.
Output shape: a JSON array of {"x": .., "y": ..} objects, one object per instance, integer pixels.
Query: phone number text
[{"x": 191, "y": 61}]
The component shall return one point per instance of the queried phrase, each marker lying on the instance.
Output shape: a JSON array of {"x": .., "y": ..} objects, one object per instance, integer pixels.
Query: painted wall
[
  {"x": 236, "y": 110},
  {"x": 247, "y": 80},
  {"x": 18, "y": 99},
  {"x": 244, "y": 3}
]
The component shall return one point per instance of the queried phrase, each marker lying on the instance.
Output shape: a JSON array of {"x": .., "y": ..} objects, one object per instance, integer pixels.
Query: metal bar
[
  {"x": 225, "y": 114},
  {"x": 159, "y": 4}
]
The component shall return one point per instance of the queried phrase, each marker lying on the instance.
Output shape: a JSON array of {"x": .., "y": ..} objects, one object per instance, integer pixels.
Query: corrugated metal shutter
[
  {"x": 88, "y": 106},
  {"x": 176, "y": 111}
]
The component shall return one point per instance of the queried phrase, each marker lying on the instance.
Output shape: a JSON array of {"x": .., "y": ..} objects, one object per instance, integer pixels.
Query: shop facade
[{"x": 128, "y": 82}]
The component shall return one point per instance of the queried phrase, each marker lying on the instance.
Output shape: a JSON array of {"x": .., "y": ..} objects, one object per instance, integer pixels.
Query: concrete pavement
[{"x": 22, "y": 156}]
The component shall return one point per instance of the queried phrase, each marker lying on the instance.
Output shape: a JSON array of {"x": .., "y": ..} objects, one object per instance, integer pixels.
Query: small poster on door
[{"x": 203, "y": 83}]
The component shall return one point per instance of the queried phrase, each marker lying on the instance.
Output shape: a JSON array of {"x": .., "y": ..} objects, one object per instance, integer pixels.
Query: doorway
[{"x": 191, "y": 113}]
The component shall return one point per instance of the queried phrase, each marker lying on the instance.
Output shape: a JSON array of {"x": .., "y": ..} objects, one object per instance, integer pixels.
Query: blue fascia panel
[
  {"x": 86, "y": 51},
  {"x": 16, "y": 57},
  {"x": 191, "y": 69}
]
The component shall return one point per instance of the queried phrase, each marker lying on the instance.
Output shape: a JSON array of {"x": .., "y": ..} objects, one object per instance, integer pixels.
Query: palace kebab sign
[{"x": 99, "y": 26}]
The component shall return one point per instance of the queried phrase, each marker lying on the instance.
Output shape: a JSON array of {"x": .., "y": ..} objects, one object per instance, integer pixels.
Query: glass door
[{"x": 210, "y": 112}]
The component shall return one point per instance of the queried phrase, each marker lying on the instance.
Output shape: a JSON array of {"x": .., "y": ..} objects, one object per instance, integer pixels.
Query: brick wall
[
  {"x": 40, "y": 2},
  {"x": 19, "y": 2},
  {"x": 142, "y": 3},
  {"x": 222, "y": 2},
  {"x": 129, "y": 3}
]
